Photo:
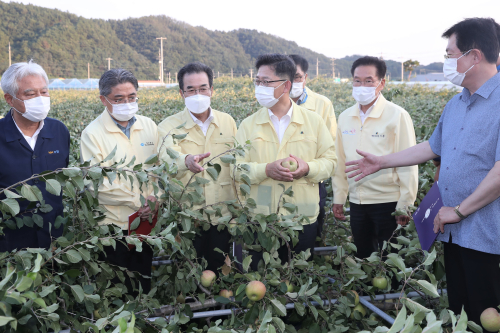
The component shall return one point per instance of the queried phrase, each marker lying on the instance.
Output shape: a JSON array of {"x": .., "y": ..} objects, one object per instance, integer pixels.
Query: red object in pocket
[{"x": 144, "y": 227}]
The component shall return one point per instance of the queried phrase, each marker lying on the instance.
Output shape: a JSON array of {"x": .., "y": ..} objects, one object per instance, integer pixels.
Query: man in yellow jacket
[
  {"x": 278, "y": 131},
  {"x": 380, "y": 127},
  {"x": 320, "y": 104},
  {"x": 133, "y": 135},
  {"x": 209, "y": 133}
]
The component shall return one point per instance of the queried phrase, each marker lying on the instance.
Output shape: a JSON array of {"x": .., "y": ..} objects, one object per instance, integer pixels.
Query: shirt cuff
[
  {"x": 181, "y": 163},
  {"x": 313, "y": 169},
  {"x": 260, "y": 173}
]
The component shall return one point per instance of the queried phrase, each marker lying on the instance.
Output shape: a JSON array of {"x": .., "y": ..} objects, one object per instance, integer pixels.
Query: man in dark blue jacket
[{"x": 30, "y": 143}]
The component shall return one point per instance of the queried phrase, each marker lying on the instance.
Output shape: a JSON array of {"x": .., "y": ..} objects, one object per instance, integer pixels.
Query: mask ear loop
[{"x": 278, "y": 87}]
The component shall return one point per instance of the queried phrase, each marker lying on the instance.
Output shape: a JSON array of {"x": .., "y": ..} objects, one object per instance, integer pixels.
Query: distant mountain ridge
[{"x": 65, "y": 44}]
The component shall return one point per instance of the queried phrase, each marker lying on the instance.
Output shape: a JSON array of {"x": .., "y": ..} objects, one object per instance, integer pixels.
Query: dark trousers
[
  {"x": 473, "y": 280},
  {"x": 307, "y": 238},
  {"x": 206, "y": 241},
  {"x": 371, "y": 225},
  {"x": 136, "y": 262},
  {"x": 322, "y": 203}
]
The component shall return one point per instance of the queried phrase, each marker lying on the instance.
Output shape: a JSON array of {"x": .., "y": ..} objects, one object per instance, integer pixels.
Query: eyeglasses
[
  {"x": 298, "y": 78},
  {"x": 264, "y": 83},
  {"x": 123, "y": 100},
  {"x": 366, "y": 83},
  {"x": 192, "y": 92},
  {"x": 448, "y": 56}
]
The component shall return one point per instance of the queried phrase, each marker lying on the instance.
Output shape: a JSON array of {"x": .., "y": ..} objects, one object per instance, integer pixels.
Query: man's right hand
[
  {"x": 276, "y": 171},
  {"x": 338, "y": 211},
  {"x": 366, "y": 166},
  {"x": 192, "y": 162}
]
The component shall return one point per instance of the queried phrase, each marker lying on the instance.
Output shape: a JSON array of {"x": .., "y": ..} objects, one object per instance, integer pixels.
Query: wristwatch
[{"x": 458, "y": 213}]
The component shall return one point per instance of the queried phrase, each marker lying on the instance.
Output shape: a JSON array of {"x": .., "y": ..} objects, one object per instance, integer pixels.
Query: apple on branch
[
  {"x": 255, "y": 290},
  {"x": 490, "y": 319},
  {"x": 207, "y": 278}
]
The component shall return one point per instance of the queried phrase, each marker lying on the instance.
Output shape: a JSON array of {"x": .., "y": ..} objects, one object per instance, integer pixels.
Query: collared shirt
[
  {"x": 203, "y": 125},
  {"x": 126, "y": 130},
  {"x": 363, "y": 115},
  {"x": 467, "y": 139},
  {"x": 303, "y": 98},
  {"x": 280, "y": 125},
  {"x": 31, "y": 140}
]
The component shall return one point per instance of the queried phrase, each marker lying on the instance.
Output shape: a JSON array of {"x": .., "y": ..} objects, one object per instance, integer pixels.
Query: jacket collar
[
  {"x": 13, "y": 134},
  {"x": 186, "y": 117},
  {"x": 375, "y": 113},
  {"x": 262, "y": 115},
  {"x": 110, "y": 125}
]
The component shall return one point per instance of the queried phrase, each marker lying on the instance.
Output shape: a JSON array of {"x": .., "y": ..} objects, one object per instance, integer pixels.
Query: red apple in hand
[
  {"x": 290, "y": 163},
  {"x": 255, "y": 291},
  {"x": 490, "y": 319},
  {"x": 207, "y": 278}
]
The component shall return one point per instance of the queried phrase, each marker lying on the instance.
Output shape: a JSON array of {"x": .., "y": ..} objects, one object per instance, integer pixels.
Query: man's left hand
[
  {"x": 444, "y": 216},
  {"x": 302, "y": 168},
  {"x": 402, "y": 220},
  {"x": 145, "y": 211}
]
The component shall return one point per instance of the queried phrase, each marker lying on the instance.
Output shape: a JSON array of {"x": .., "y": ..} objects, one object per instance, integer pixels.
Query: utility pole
[
  {"x": 251, "y": 73},
  {"x": 10, "y": 56},
  {"x": 161, "y": 57},
  {"x": 333, "y": 67},
  {"x": 317, "y": 67},
  {"x": 109, "y": 63},
  {"x": 88, "y": 70}
]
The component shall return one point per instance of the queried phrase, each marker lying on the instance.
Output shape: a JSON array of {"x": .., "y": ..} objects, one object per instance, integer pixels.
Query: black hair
[
  {"x": 371, "y": 61},
  {"x": 477, "y": 33},
  {"x": 300, "y": 61},
  {"x": 195, "y": 67},
  {"x": 114, "y": 77},
  {"x": 283, "y": 65}
]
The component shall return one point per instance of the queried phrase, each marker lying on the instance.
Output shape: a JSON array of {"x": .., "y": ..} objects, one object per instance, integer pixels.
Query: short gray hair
[
  {"x": 114, "y": 77},
  {"x": 18, "y": 71}
]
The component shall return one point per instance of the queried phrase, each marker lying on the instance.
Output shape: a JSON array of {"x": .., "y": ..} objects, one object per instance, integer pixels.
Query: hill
[{"x": 65, "y": 44}]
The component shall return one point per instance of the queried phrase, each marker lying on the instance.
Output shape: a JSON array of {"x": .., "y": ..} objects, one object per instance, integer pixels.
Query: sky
[{"x": 395, "y": 29}]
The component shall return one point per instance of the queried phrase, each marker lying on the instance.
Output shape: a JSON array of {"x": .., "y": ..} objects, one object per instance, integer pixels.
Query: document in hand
[
  {"x": 424, "y": 217},
  {"x": 144, "y": 227}
]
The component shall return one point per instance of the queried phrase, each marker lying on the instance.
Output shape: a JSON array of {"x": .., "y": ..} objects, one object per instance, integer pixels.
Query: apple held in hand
[
  {"x": 490, "y": 319},
  {"x": 207, "y": 278},
  {"x": 379, "y": 282},
  {"x": 226, "y": 293},
  {"x": 290, "y": 163},
  {"x": 255, "y": 291}
]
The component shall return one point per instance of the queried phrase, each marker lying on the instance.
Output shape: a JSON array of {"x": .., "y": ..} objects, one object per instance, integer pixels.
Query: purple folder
[{"x": 424, "y": 217}]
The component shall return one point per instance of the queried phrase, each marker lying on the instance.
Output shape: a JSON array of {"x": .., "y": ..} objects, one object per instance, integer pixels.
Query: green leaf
[
  {"x": 5, "y": 320},
  {"x": 10, "y": 194},
  {"x": 279, "y": 307},
  {"x": 414, "y": 306},
  {"x": 222, "y": 300},
  {"x": 135, "y": 224},
  {"x": 241, "y": 289},
  {"x": 474, "y": 327},
  {"x": 228, "y": 159},
  {"x": 52, "y": 186},
  {"x": 245, "y": 189},
  {"x": 111, "y": 155},
  {"x": 11, "y": 206},
  {"x": 179, "y": 136},
  {"x": 152, "y": 159},
  {"x": 279, "y": 323},
  {"x": 301, "y": 310},
  {"x": 28, "y": 193},
  {"x": 399, "y": 323},
  {"x": 24, "y": 284},
  {"x": 462, "y": 322},
  {"x": 72, "y": 172},
  {"x": 396, "y": 260},
  {"x": 47, "y": 290},
  {"x": 213, "y": 173},
  {"x": 172, "y": 153},
  {"x": 77, "y": 291},
  {"x": 73, "y": 256},
  {"x": 427, "y": 288},
  {"x": 38, "y": 262},
  {"x": 246, "y": 263},
  {"x": 290, "y": 207},
  {"x": 430, "y": 258}
]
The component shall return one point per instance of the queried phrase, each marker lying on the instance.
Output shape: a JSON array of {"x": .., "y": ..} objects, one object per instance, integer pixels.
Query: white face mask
[
  {"x": 124, "y": 111},
  {"x": 297, "y": 89},
  {"x": 36, "y": 109},
  {"x": 265, "y": 95},
  {"x": 198, "y": 103},
  {"x": 450, "y": 70},
  {"x": 365, "y": 95}
]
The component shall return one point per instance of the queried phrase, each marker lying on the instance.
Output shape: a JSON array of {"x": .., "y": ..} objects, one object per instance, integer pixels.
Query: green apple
[
  {"x": 207, "y": 278},
  {"x": 360, "y": 308},
  {"x": 181, "y": 299},
  {"x": 226, "y": 293},
  {"x": 379, "y": 282},
  {"x": 289, "y": 286},
  {"x": 255, "y": 290},
  {"x": 354, "y": 295},
  {"x": 97, "y": 315},
  {"x": 490, "y": 319},
  {"x": 290, "y": 163}
]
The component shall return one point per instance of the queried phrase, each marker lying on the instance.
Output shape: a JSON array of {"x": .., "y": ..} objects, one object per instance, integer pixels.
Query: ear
[
  {"x": 181, "y": 93},
  {"x": 288, "y": 86},
  {"x": 382, "y": 84},
  {"x": 103, "y": 100},
  {"x": 305, "y": 79},
  {"x": 211, "y": 91},
  {"x": 478, "y": 56},
  {"x": 8, "y": 99}
]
